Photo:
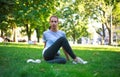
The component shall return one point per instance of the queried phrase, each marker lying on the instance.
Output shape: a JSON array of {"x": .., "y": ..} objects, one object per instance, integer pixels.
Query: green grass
[{"x": 103, "y": 61}]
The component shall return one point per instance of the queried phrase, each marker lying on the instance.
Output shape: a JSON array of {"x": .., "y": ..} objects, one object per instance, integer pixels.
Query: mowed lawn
[{"x": 103, "y": 61}]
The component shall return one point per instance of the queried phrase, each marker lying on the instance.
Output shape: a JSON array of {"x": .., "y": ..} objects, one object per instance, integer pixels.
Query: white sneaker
[
  {"x": 33, "y": 61},
  {"x": 30, "y": 60},
  {"x": 79, "y": 60},
  {"x": 37, "y": 61}
]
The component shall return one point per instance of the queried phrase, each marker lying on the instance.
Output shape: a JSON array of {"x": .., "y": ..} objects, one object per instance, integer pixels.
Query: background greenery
[
  {"x": 103, "y": 61},
  {"x": 33, "y": 15}
]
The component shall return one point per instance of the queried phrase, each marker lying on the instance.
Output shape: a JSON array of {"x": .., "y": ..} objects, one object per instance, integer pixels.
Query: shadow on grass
[{"x": 102, "y": 62}]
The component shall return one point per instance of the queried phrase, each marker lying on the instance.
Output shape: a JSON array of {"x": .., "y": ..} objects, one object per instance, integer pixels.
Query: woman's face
[{"x": 53, "y": 22}]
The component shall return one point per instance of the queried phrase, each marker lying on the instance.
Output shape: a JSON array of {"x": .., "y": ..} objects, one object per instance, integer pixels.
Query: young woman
[{"x": 54, "y": 39}]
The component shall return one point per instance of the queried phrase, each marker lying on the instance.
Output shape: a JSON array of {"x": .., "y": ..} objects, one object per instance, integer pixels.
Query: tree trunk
[
  {"x": 38, "y": 34},
  {"x": 14, "y": 35},
  {"x": 109, "y": 33},
  {"x": 110, "y": 36},
  {"x": 73, "y": 38},
  {"x": 28, "y": 30},
  {"x": 2, "y": 33},
  {"x": 103, "y": 36}
]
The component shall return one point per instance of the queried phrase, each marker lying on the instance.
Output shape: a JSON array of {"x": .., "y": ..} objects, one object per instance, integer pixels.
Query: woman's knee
[
  {"x": 63, "y": 38},
  {"x": 64, "y": 61}
]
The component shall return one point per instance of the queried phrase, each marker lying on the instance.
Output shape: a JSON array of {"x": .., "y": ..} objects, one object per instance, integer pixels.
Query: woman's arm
[
  {"x": 44, "y": 44},
  {"x": 66, "y": 54}
]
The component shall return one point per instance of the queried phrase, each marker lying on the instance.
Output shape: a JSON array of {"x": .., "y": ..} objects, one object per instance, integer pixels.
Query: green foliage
[
  {"x": 74, "y": 13},
  {"x": 73, "y": 20},
  {"x": 34, "y": 13},
  {"x": 6, "y": 18},
  {"x": 102, "y": 11},
  {"x": 116, "y": 15}
]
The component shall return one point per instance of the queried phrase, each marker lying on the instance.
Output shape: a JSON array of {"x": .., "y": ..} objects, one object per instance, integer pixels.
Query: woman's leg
[
  {"x": 52, "y": 50},
  {"x": 57, "y": 59}
]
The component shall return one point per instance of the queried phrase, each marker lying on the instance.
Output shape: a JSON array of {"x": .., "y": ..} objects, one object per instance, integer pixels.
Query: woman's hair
[
  {"x": 54, "y": 16},
  {"x": 49, "y": 27}
]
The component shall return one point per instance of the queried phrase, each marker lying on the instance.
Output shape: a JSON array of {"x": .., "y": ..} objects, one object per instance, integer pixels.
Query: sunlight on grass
[
  {"x": 25, "y": 45},
  {"x": 103, "y": 61},
  {"x": 97, "y": 47}
]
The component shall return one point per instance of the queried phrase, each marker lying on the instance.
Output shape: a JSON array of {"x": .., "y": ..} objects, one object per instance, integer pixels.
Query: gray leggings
[{"x": 50, "y": 54}]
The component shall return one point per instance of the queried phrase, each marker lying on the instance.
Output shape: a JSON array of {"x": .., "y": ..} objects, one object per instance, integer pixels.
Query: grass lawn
[{"x": 103, "y": 61}]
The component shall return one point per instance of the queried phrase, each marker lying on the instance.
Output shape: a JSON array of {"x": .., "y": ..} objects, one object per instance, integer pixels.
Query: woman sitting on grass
[{"x": 54, "y": 39}]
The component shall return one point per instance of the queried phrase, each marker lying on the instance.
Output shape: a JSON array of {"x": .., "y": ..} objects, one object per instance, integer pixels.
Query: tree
[
  {"x": 101, "y": 11},
  {"x": 6, "y": 9},
  {"x": 32, "y": 15},
  {"x": 71, "y": 20},
  {"x": 107, "y": 9},
  {"x": 116, "y": 21}
]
